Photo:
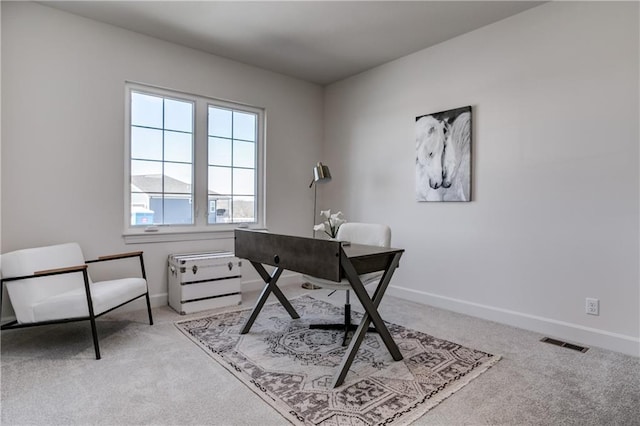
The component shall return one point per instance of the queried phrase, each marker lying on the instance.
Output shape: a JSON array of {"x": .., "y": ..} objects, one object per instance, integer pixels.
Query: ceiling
[{"x": 318, "y": 41}]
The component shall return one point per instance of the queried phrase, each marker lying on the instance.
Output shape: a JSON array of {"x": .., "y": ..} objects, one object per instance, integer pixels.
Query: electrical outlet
[{"x": 592, "y": 306}]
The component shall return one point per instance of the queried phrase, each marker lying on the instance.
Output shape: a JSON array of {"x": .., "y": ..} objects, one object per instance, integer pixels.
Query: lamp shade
[{"x": 321, "y": 173}]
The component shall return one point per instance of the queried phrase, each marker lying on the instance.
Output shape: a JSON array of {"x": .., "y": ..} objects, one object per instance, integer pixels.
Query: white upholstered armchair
[
  {"x": 372, "y": 234},
  {"x": 48, "y": 285}
]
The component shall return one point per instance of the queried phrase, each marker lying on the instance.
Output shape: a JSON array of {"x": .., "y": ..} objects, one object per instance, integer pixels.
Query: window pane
[
  {"x": 178, "y": 115},
  {"x": 146, "y": 144},
  {"x": 138, "y": 199},
  {"x": 177, "y": 178},
  {"x": 244, "y": 209},
  {"x": 177, "y": 209},
  {"x": 219, "y": 152},
  {"x": 244, "y": 126},
  {"x": 146, "y": 175},
  {"x": 219, "y": 210},
  {"x": 244, "y": 154},
  {"x": 177, "y": 146},
  {"x": 243, "y": 183},
  {"x": 219, "y": 122},
  {"x": 141, "y": 215},
  {"x": 220, "y": 180},
  {"x": 146, "y": 110}
]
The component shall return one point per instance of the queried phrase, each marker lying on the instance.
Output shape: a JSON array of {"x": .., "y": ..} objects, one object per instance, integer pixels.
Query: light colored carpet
[
  {"x": 153, "y": 375},
  {"x": 292, "y": 366}
]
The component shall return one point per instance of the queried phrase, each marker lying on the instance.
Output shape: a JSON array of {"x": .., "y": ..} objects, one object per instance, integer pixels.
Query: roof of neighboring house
[{"x": 151, "y": 183}]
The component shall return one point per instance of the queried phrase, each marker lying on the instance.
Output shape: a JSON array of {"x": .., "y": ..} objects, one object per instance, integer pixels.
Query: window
[
  {"x": 232, "y": 164},
  {"x": 161, "y": 160},
  {"x": 192, "y": 163}
]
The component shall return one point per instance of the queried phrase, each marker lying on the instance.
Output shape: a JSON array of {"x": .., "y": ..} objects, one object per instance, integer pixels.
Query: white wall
[
  {"x": 554, "y": 216},
  {"x": 63, "y": 113}
]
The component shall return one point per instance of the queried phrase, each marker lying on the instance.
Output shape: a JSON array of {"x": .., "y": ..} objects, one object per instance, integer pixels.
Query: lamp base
[{"x": 309, "y": 286}]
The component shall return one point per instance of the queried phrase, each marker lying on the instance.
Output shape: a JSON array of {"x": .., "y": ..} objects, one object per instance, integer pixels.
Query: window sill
[{"x": 171, "y": 235}]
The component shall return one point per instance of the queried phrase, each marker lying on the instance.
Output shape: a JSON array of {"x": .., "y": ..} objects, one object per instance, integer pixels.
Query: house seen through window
[{"x": 193, "y": 161}]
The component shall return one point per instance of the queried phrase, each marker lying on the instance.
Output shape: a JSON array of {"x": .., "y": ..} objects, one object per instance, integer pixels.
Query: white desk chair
[
  {"x": 357, "y": 233},
  {"x": 48, "y": 285}
]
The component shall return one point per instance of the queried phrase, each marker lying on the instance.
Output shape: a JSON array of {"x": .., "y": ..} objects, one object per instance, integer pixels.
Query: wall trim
[{"x": 550, "y": 327}]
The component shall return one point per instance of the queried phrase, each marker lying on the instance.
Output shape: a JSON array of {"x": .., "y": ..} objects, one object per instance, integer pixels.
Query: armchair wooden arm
[
  {"x": 116, "y": 256},
  {"x": 130, "y": 254},
  {"x": 48, "y": 272}
]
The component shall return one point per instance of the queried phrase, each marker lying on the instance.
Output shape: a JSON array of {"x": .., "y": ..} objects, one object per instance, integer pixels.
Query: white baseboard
[{"x": 574, "y": 333}]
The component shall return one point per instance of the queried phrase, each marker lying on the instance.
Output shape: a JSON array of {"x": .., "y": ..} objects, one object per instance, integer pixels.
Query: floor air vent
[{"x": 564, "y": 344}]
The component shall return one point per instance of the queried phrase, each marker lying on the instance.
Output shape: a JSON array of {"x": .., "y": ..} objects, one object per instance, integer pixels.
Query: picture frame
[{"x": 443, "y": 155}]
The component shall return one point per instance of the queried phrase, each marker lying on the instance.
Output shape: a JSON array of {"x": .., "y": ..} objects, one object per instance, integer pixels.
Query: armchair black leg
[
  {"x": 149, "y": 309},
  {"x": 94, "y": 333}
]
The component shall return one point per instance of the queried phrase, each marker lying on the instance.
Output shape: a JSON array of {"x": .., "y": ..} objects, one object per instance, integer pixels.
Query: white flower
[
  {"x": 337, "y": 219},
  {"x": 331, "y": 225}
]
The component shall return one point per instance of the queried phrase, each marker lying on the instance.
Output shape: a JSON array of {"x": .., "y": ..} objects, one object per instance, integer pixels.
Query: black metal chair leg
[
  {"x": 347, "y": 326},
  {"x": 347, "y": 315},
  {"x": 149, "y": 309},
  {"x": 347, "y": 323},
  {"x": 94, "y": 333}
]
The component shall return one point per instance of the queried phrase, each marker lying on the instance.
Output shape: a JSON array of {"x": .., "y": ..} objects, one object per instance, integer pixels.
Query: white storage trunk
[{"x": 200, "y": 281}]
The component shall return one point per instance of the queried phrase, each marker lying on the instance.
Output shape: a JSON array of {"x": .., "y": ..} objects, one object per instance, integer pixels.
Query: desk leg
[
  {"x": 371, "y": 305},
  {"x": 352, "y": 350},
  {"x": 270, "y": 286},
  {"x": 370, "y": 315}
]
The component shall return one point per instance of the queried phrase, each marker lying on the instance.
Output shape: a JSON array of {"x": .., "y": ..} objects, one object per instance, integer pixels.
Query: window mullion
[
  {"x": 200, "y": 163},
  {"x": 164, "y": 164},
  {"x": 233, "y": 191}
]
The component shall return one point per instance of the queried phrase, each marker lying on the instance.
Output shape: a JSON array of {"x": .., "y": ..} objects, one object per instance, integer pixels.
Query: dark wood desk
[{"x": 326, "y": 259}]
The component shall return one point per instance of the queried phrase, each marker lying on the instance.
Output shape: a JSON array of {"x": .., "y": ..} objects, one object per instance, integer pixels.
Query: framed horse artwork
[{"x": 443, "y": 156}]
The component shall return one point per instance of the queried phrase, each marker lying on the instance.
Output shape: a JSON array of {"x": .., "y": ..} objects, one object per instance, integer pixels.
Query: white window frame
[{"x": 201, "y": 229}]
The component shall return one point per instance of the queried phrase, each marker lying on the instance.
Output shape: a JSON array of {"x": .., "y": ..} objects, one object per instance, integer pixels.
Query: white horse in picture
[
  {"x": 456, "y": 161},
  {"x": 430, "y": 139}
]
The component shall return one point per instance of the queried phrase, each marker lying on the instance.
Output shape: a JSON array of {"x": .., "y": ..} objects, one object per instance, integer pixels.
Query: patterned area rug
[{"x": 291, "y": 366}]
